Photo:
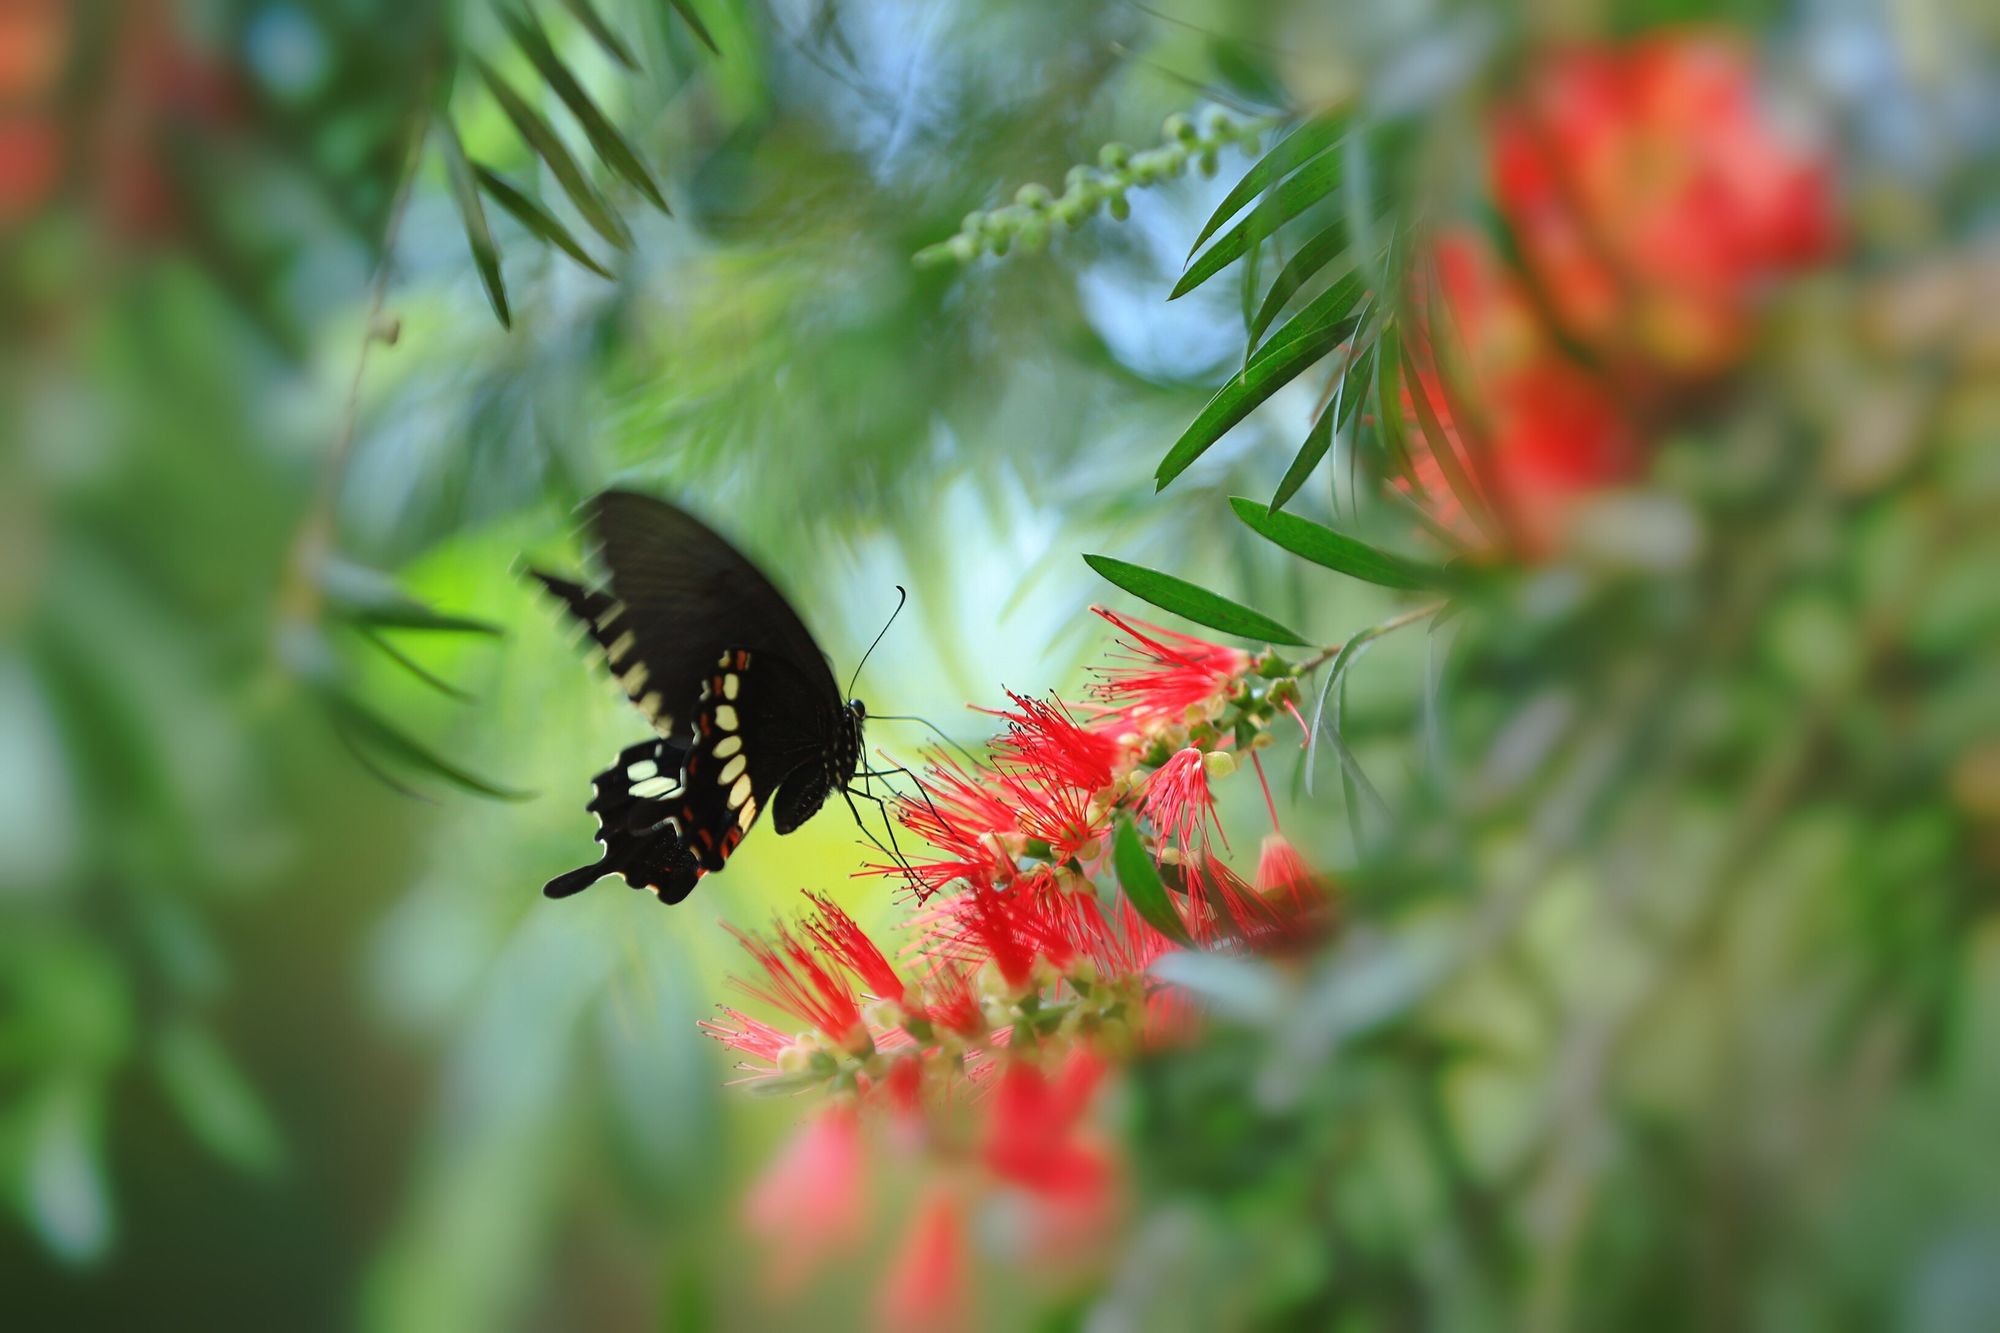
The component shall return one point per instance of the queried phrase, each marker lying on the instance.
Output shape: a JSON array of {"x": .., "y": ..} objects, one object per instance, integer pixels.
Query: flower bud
[
  {"x": 1119, "y": 208},
  {"x": 963, "y": 248},
  {"x": 1178, "y": 127},
  {"x": 1114, "y": 156},
  {"x": 1218, "y": 764},
  {"x": 1032, "y": 195},
  {"x": 883, "y": 1014}
]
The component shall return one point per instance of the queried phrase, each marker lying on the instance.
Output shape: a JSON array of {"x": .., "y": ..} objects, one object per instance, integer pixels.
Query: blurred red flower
[
  {"x": 811, "y": 1201},
  {"x": 1651, "y": 196}
]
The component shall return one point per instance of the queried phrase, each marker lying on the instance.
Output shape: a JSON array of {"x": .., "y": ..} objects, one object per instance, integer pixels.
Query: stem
[
  {"x": 300, "y": 600},
  {"x": 1327, "y": 654}
]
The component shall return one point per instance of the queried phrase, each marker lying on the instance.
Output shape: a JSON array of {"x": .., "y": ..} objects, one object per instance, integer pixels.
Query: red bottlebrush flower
[
  {"x": 966, "y": 822},
  {"x": 1009, "y": 926},
  {"x": 1032, "y": 1136},
  {"x": 840, "y": 937},
  {"x": 803, "y": 986},
  {"x": 811, "y": 1201},
  {"x": 740, "y": 1032},
  {"x": 926, "y": 1286},
  {"x": 1651, "y": 195},
  {"x": 948, "y": 1001},
  {"x": 1283, "y": 875},
  {"x": 1042, "y": 737},
  {"x": 1179, "y": 803},
  {"x": 1165, "y": 676}
]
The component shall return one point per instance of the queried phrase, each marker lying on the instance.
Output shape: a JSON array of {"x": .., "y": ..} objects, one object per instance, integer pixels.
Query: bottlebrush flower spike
[
  {"x": 803, "y": 986},
  {"x": 1167, "y": 678},
  {"x": 1179, "y": 803},
  {"x": 1032, "y": 1138},
  {"x": 840, "y": 937},
  {"x": 1042, "y": 738},
  {"x": 968, "y": 824},
  {"x": 811, "y": 1201},
  {"x": 926, "y": 1285},
  {"x": 740, "y": 1032}
]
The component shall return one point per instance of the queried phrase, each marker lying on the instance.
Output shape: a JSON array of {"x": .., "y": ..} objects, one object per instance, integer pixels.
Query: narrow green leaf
[
  {"x": 1335, "y": 550},
  {"x": 369, "y": 728},
  {"x": 1446, "y": 456},
  {"x": 414, "y": 667},
  {"x": 1140, "y": 879},
  {"x": 1322, "y": 325},
  {"x": 600, "y": 32},
  {"x": 1313, "y": 256},
  {"x": 370, "y": 597},
  {"x": 1315, "y": 182},
  {"x": 1191, "y": 602},
  {"x": 1345, "y": 401},
  {"x": 1300, "y": 146},
  {"x": 1390, "y": 427},
  {"x": 1246, "y": 990},
  {"x": 541, "y": 136},
  {"x": 1318, "y": 440},
  {"x": 688, "y": 16},
  {"x": 472, "y": 215},
  {"x": 216, "y": 1099},
  {"x": 612, "y": 146},
  {"x": 534, "y": 217}
]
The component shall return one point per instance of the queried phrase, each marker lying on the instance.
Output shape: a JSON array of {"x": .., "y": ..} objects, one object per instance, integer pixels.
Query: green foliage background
[{"x": 1676, "y": 984}]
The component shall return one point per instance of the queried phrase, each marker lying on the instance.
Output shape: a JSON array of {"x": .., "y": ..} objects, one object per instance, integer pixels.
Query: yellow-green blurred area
[{"x": 288, "y": 745}]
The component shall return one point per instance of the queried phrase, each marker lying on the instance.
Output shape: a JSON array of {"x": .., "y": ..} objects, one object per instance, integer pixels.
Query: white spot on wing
[
  {"x": 746, "y": 815},
  {"x": 727, "y": 746},
  {"x": 642, "y": 770},
  {"x": 730, "y": 684},
  {"x": 725, "y": 717},
  {"x": 654, "y": 787},
  {"x": 620, "y": 646},
  {"x": 740, "y": 792},
  {"x": 732, "y": 770},
  {"x": 610, "y": 616},
  {"x": 635, "y": 679}
]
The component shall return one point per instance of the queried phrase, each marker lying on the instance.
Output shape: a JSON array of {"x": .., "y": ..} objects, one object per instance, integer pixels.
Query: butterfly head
[{"x": 858, "y": 709}]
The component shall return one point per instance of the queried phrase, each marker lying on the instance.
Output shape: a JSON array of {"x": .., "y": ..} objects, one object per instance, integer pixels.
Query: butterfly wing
[
  {"x": 634, "y": 801},
  {"x": 688, "y": 596},
  {"x": 755, "y": 727}
]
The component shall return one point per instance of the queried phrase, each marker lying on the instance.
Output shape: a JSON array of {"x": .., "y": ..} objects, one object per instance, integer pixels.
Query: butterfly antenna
[
  {"x": 936, "y": 730},
  {"x": 902, "y": 597}
]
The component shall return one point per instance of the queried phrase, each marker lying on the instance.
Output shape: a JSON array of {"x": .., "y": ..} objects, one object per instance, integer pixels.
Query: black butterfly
[{"x": 742, "y": 699}]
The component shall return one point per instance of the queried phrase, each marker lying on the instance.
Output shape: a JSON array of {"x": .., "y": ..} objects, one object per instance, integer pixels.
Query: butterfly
[{"x": 743, "y": 705}]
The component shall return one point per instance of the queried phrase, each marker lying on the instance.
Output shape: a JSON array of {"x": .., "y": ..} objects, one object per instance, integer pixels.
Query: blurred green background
[{"x": 282, "y": 1044}]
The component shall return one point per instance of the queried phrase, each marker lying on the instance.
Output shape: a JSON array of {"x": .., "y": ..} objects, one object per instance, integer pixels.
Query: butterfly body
[{"x": 741, "y": 699}]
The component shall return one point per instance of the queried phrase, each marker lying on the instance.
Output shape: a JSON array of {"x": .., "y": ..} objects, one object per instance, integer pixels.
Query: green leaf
[
  {"x": 1300, "y": 146},
  {"x": 1244, "y": 989},
  {"x": 414, "y": 667},
  {"x": 1191, "y": 602},
  {"x": 369, "y": 728},
  {"x": 693, "y": 20},
  {"x": 1313, "y": 256},
  {"x": 534, "y": 217},
  {"x": 472, "y": 215},
  {"x": 1321, "y": 326},
  {"x": 1335, "y": 550},
  {"x": 216, "y": 1100},
  {"x": 612, "y": 146},
  {"x": 1446, "y": 456},
  {"x": 594, "y": 24},
  {"x": 1140, "y": 880},
  {"x": 370, "y": 597},
  {"x": 62, "y": 1188},
  {"x": 1320, "y": 439},
  {"x": 1318, "y": 180},
  {"x": 541, "y": 136}
]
